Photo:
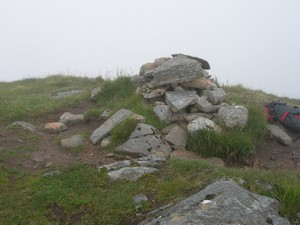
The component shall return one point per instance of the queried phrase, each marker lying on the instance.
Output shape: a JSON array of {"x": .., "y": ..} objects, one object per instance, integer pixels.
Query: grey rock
[
  {"x": 138, "y": 118},
  {"x": 105, "y": 142},
  {"x": 179, "y": 100},
  {"x": 71, "y": 119},
  {"x": 150, "y": 160},
  {"x": 138, "y": 80},
  {"x": 130, "y": 173},
  {"x": 116, "y": 165},
  {"x": 168, "y": 128},
  {"x": 298, "y": 215},
  {"x": 266, "y": 186},
  {"x": 177, "y": 137},
  {"x": 200, "y": 123},
  {"x": 202, "y": 83},
  {"x": 147, "y": 67},
  {"x": 204, "y": 64},
  {"x": 215, "y": 96},
  {"x": 52, "y": 173},
  {"x": 163, "y": 112},
  {"x": 110, "y": 155},
  {"x": 95, "y": 92},
  {"x": 55, "y": 127},
  {"x": 73, "y": 142},
  {"x": 139, "y": 198},
  {"x": 106, "y": 114},
  {"x": 158, "y": 62},
  {"x": 190, "y": 116},
  {"x": 151, "y": 94},
  {"x": 25, "y": 125},
  {"x": 145, "y": 140},
  {"x": 175, "y": 71},
  {"x": 104, "y": 130},
  {"x": 233, "y": 116},
  {"x": 66, "y": 94},
  {"x": 205, "y": 106},
  {"x": 178, "y": 117},
  {"x": 222, "y": 202},
  {"x": 279, "y": 134}
]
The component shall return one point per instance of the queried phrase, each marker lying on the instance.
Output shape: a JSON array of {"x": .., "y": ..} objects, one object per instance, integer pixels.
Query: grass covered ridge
[{"x": 83, "y": 195}]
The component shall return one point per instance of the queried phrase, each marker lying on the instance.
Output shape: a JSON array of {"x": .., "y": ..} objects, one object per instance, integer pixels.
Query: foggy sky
[{"x": 252, "y": 42}]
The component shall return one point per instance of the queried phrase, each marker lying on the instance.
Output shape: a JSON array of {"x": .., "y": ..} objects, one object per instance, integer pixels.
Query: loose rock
[
  {"x": 73, "y": 142},
  {"x": 215, "y": 96},
  {"x": 233, "y": 116},
  {"x": 130, "y": 173},
  {"x": 102, "y": 131},
  {"x": 179, "y": 100},
  {"x": 95, "y": 92},
  {"x": 55, "y": 127},
  {"x": 279, "y": 134},
  {"x": 163, "y": 112},
  {"x": 201, "y": 123},
  {"x": 71, "y": 119},
  {"x": 177, "y": 137},
  {"x": 25, "y": 125}
]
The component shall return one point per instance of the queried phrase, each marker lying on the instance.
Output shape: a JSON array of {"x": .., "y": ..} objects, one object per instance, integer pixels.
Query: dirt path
[{"x": 49, "y": 153}]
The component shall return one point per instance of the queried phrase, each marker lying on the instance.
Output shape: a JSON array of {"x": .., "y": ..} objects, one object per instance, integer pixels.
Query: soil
[{"x": 48, "y": 152}]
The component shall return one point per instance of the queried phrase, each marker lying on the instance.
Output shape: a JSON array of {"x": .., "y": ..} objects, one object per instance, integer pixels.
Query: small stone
[
  {"x": 73, "y": 141},
  {"x": 71, "y": 119},
  {"x": 95, "y": 92},
  {"x": 52, "y": 173},
  {"x": 110, "y": 155},
  {"x": 55, "y": 127},
  {"x": 139, "y": 198},
  {"x": 106, "y": 142}
]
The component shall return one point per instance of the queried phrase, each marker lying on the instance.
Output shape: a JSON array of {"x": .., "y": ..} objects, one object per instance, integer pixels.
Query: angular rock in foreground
[
  {"x": 145, "y": 140},
  {"x": 177, "y": 137},
  {"x": 103, "y": 131},
  {"x": 175, "y": 71},
  {"x": 163, "y": 112},
  {"x": 222, "y": 202}
]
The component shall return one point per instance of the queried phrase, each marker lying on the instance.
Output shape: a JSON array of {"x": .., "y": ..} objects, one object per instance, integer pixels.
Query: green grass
[
  {"x": 82, "y": 194},
  {"x": 30, "y": 98},
  {"x": 231, "y": 144},
  {"x": 86, "y": 195}
]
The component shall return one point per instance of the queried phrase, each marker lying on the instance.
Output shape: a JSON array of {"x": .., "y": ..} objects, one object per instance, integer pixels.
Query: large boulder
[
  {"x": 179, "y": 100},
  {"x": 145, "y": 140},
  {"x": 222, "y": 202},
  {"x": 233, "y": 116},
  {"x": 105, "y": 129},
  {"x": 175, "y": 71}
]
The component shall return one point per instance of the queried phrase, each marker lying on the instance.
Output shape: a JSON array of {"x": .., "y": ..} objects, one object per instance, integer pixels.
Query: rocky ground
[{"x": 271, "y": 155}]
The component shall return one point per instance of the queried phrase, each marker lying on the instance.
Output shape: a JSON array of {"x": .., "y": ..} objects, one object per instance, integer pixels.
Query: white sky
[{"x": 252, "y": 42}]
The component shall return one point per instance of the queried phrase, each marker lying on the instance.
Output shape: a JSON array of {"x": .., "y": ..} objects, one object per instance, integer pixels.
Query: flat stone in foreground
[{"x": 223, "y": 202}]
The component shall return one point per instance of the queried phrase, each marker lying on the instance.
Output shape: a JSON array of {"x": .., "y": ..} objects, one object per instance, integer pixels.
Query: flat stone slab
[
  {"x": 130, "y": 173},
  {"x": 145, "y": 140},
  {"x": 279, "y": 134},
  {"x": 222, "y": 202},
  {"x": 175, "y": 71},
  {"x": 105, "y": 129},
  {"x": 66, "y": 94},
  {"x": 179, "y": 100}
]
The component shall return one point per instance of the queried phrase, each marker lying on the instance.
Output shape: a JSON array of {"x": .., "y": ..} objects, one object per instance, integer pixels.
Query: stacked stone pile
[{"x": 182, "y": 91}]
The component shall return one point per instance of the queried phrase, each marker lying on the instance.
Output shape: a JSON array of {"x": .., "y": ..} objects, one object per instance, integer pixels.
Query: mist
[{"x": 250, "y": 42}]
